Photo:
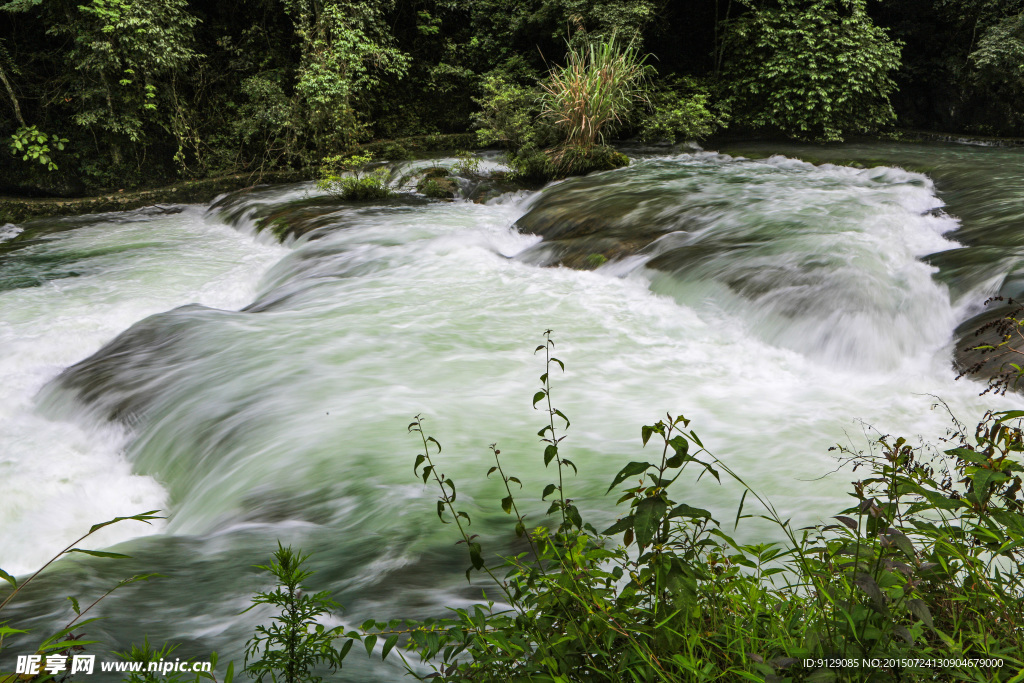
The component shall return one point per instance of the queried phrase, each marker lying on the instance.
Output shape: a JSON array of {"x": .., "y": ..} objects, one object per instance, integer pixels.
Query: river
[{"x": 178, "y": 359}]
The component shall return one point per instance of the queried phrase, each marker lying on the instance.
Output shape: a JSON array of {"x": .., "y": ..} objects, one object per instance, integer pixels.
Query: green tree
[
  {"x": 812, "y": 69},
  {"x": 998, "y": 65},
  {"x": 128, "y": 57},
  {"x": 346, "y": 49}
]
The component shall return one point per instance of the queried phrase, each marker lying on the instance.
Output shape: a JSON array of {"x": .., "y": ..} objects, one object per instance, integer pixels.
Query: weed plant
[
  {"x": 294, "y": 644},
  {"x": 918, "y": 580},
  {"x": 468, "y": 164},
  {"x": 348, "y": 178},
  {"x": 64, "y": 641}
]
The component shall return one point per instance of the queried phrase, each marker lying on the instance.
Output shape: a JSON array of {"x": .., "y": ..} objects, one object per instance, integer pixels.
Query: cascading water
[{"x": 266, "y": 394}]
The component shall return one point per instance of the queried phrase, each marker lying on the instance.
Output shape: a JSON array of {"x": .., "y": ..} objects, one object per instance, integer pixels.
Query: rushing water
[{"x": 257, "y": 392}]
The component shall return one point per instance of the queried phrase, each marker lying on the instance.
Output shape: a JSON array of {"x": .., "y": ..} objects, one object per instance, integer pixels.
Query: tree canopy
[{"x": 98, "y": 94}]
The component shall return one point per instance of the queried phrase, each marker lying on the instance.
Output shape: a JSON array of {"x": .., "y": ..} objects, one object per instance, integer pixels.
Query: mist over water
[{"x": 257, "y": 392}]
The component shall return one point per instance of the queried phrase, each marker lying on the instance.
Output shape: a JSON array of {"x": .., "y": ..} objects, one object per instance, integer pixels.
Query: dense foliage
[
  {"x": 122, "y": 93},
  {"x": 817, "y": 69}
]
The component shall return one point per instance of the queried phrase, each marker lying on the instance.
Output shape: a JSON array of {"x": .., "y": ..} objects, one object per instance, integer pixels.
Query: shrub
[
  {"x": 679, "y": 110},
  {"x": 347, "y": 178},
  {"x": 468, "y": 164},
  {"x": 812, "y": 69},
  {"x": 289, "y": 649},
  {"x": 438, "y": 187},
  {"x": 998, "y": 356},
  {"x": 32, "y": 144},
  {"x": 595, "y": 91},
  {"x": 553, "y": 132},
  {"x": 507, "y": 115}
]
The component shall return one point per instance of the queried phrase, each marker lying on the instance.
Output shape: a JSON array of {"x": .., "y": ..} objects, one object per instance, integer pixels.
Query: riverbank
[
  {"x": 19, "y": 209},
  {"x": 16, "y": 209}
]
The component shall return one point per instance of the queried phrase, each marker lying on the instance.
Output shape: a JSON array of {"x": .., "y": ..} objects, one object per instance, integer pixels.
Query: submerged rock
[
  {"x": 291, "y": 219},
  {"x": 608, "y": 216},
  {"x": 122, "y": 380}
]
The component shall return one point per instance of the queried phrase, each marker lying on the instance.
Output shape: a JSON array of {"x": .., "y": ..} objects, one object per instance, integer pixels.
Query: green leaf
[
  {"x": 549, "y": 453},
  {"x": 64, "y": 645},
  {"x": 141, "y": 517},
  {"x": 8, "y": 578},
  {"x": 420, "y": 458},
  {"x": 867, "y": 584},
  {"x": 506, "y": 504},
  {"x": 440, "y": 510},
  {"x": 685, "y": 510},
  {"x": 645, "y": 433},
  {"x": 648, "y": 516},
  {"x": 369, "y": 642},
  {"x": 968, "y": 455},
  {"x": 619, "y": 526},
  {"x": 630, "y": 470},
  {"x": 548, "y": 490},
  {"x": 539, "y": 396},
  {"x": 739, "y": 511},
  {"x": 388, "y": 645},
  {"x": 476, "y": 555},
  {"x": 99, "y": 553},
  {"x": 920, "y": 610},
  {"x": 848, "y": 521},
  {"x": 74, "y": 605},
  {"x": 902, "y": 542}
]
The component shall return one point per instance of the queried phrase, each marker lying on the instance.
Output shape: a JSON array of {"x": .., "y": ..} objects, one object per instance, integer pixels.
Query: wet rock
[
  {"x": 988, "y": 330},
  {"x": 122, "y": 380},
  {"x": 306, "y": 217},
  {"x": 438, "y": 187},
  {"x": 608, "y": 216}
]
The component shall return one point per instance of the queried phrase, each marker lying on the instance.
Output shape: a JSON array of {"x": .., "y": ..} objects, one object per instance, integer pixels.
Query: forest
[{"x": 116, "y": 94}]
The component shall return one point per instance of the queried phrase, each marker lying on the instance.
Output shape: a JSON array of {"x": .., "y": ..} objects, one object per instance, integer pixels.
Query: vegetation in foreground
[{"x": 920, "y": 579}]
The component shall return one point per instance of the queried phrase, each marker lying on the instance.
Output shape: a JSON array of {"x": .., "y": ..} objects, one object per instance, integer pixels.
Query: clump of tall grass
[{"x": 597, "y": 88}]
